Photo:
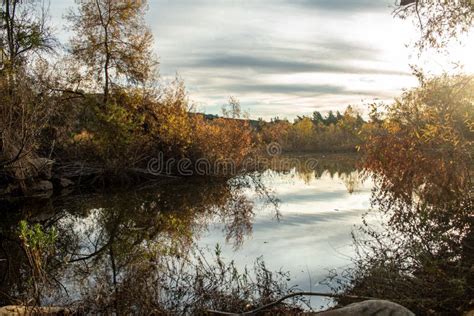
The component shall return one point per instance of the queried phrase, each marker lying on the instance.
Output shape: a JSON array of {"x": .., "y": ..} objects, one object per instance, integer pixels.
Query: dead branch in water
[{"x": 254, "y": 311}]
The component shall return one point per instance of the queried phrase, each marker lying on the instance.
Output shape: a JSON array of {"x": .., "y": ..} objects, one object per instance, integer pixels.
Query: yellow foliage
[{"x": 83, "y": 136}]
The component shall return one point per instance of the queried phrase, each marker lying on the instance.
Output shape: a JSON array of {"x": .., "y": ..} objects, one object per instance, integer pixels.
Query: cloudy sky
[{"x": 284, "y": 57}]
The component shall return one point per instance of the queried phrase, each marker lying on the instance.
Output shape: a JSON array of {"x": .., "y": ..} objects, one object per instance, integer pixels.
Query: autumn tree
[
  {"x": 428, "y": 134},
  {"x": 113, "y": 41},
  {"x": 439, "y": 21},
  {"x": 350, "y": 121},
  {"x": 24, "y": 107},
  {"x": 23, "y": 31},
  {"x": 302, "y": 133},
  {"x": 224, "y": 139},
  {"x": 276, "y": 131},
  {"x": 170, "y": 121},
  {"x": 233, "y": 109},
  {"x": 421, "y": 165}
]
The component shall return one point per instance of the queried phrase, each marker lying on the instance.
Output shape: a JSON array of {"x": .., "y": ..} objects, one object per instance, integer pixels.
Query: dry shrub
[
  {"x": 169, "y": 121},
  {"x": 192, "y": 286},
  {"x": 222, "y": 139},
  {"x": 179, "y": 133},
  {"x": 421, "y": 160},
  {"x": 25, "y": 109}
]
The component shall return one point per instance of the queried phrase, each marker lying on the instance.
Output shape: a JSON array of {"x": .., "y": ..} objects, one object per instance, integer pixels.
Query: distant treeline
[
  {"x": 332, "y": 132},
  {"x": 99, "y": 113}
]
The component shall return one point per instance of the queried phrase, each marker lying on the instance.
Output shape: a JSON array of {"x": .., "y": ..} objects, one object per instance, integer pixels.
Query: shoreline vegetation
[{"x": 96, "y": 114}]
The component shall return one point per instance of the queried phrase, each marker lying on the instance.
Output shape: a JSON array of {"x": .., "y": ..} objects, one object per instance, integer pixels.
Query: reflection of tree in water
[
  {"x": 118, "y": 250},
  {"x": 419, "y": 255},
  {"x": 352, "y": 180},
  {"x": 17, "y": 274},
  {"x": 422, "y": 255},
  {"x": 310, "y": 167},
  {"x": 104, "y": 236}
]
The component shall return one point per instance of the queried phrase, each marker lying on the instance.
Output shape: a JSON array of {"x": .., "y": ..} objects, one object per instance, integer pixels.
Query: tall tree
[
  {"x": 330, "y": 118},
  {"x": 113, "y": 41},
  {"x": 23, "y": 30},
  {"x": 317, "y": 118},
  {"x": 23, "y": 107}
]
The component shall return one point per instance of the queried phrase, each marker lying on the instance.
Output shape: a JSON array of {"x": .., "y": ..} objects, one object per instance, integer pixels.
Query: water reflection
[{"x": 115, "y": 246}]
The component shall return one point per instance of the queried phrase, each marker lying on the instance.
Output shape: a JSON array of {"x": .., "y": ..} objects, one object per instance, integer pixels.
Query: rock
[
  {"x": 65, "y": 183},
  {"x": 13, "y": 188},
  {"x": 14, "y": 310},
  {"x": 41, "y": 186},
  {"x": 66, "y": 191},
  {"x": 42, "y": 189},
  {"x": 42, "y": 167},
  {"x": 370, "y": 307}
]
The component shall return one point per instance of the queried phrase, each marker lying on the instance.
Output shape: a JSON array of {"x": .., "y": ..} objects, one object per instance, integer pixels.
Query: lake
[{"x": 294, "y": 219}]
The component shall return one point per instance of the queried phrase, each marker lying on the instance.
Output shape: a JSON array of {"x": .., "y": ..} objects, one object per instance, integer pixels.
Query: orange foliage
[
  {"x": 425, "y": 144},
  {"x": 222, "y": 139}
]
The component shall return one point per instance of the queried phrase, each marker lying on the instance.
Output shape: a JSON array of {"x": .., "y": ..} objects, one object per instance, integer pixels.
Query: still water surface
[
  {"x": 312, "y": 233},
  {"x": 296, "y": 220}
]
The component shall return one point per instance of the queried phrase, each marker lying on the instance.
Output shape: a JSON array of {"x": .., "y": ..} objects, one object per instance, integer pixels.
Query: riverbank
[
  {"x": 53, "y": 179},
  {"x": 147, "y": 231}
]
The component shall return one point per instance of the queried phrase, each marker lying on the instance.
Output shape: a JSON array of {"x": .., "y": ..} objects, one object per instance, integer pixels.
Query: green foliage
[
  {"x": 35, "y": 237},
  {"x": 39, "y": 246},
  {"x": 23, "y": 30}
]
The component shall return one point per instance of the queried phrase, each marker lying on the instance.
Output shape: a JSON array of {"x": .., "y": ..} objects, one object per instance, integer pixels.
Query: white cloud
[{"x": 282, "y": 57}]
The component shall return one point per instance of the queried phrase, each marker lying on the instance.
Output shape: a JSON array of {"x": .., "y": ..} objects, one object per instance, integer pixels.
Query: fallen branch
[{"x": 290, "y": 296}]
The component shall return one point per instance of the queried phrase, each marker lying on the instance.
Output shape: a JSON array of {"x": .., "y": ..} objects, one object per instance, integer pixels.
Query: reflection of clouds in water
[
  {"x": 307, "y": 219},
  {"x": 302, "y": 244},
  {"x": 313, "y": 234},
  {"x": 87, "y": 230},
  {"x": 326, "y": 193},
  {"x": 308, "y": 195}
]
